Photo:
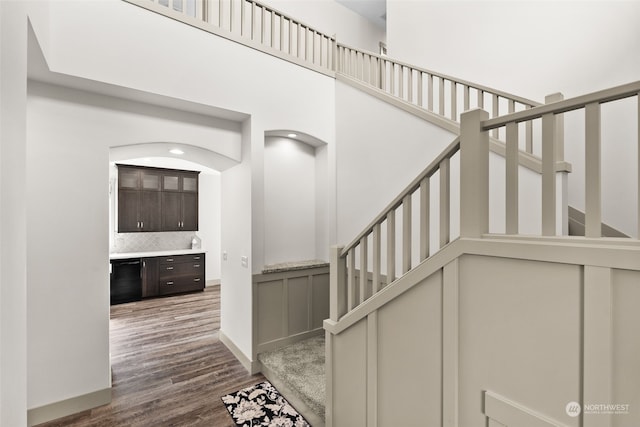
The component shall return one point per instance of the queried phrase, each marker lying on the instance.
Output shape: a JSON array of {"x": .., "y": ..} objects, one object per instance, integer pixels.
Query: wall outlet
[
  {"x": 224, "y": 255},
  {"x": 244, "y": 261}
]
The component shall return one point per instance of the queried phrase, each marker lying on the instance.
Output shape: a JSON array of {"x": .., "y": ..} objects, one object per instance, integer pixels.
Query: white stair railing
[
  {"x": 436, "y": 92},
  {"x": 351, "y": 283},
  {"x": 591, "y": 104},
  {"x": 356, "y": 270}
]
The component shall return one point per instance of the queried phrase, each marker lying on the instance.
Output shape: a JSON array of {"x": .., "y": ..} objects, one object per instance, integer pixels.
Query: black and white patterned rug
[{"x": 262, "y": 405}]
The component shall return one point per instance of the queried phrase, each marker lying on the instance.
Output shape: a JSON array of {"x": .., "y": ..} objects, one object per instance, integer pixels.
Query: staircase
[{"x": 450, "y": 322}]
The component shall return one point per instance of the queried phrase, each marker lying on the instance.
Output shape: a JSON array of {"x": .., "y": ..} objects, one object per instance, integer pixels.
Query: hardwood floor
[{"x": 169, "y": 367}]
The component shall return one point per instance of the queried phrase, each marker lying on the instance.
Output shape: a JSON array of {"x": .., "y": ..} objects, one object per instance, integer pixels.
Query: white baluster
[
  {"x": 592, "y": 183},
  {"x": 548, "y": 175},
  {"x": 511, "y": 178},
  {"x": 406, "y": 234},
  {"x": 424, "y": 218},
  {"x": 445, "y": 205},
  {"x": 391, "y": 246}
]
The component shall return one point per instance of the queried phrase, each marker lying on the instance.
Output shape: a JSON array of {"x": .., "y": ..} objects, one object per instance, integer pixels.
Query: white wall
[
  {"x": 13, "y": 228},
  {"x": 532, "y": 49},
  {"x": 69, "y": 136},
  {"x": 209, "y": 218},
  {"x": 323, "y": 203},
  {"x": 289, "y": 201},
  {"x": 236, "y": 243},
  {"x": 332, "y": 18},
  {"x": 274, "y": 93},
  {"x": 381, "y": 149},
  {"x": 68, "y": 285}
]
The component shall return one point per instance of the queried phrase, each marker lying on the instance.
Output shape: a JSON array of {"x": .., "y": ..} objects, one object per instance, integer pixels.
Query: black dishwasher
[{"x": 126, "y": 280}]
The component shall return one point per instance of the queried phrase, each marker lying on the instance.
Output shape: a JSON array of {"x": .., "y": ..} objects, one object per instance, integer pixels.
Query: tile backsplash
[{"x": 145, "y": 242}]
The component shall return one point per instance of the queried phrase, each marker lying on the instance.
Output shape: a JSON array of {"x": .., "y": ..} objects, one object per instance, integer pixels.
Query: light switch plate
[
  {"x": 224, "y": 255},
  {"x": 244, "y": 261}
]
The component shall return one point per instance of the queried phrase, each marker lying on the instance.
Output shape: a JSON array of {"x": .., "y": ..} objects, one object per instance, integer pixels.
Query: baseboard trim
[
  {"x": 253, "y": 367},
  {"x": 67, "y": 407}
]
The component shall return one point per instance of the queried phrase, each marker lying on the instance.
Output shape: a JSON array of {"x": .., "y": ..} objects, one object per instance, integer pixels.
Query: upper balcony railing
[
  {"x": 269, "y": 30},
  {"x": 436, "y": 92},
  {"x": 255, "y": 25}
]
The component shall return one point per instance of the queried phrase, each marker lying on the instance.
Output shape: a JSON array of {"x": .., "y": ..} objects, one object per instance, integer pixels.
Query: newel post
[
  {"x": 474, "y": 174},
  {"x": 337, "y": 283}
]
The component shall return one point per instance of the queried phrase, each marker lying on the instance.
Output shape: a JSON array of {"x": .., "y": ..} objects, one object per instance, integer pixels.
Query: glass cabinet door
[
  {"x": 171, "y": 183},
  {"x": 150, "y": 180},
  {"x": 128, "y": 178},
  {"x": 190, "y": 184}
]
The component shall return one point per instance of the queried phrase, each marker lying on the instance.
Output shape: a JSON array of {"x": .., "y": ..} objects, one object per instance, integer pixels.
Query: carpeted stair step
[{"x": 298, "y": 371}]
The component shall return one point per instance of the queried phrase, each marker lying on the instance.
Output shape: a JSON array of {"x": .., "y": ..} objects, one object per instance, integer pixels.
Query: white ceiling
[{"x": 374, "y": 10}]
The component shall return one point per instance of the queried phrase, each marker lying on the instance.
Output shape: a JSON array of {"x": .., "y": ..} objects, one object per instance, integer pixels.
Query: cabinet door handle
[
  {"x": 196, "y": 265},
  {"x": 138, "y": 224},
  {"x": 169, "y": 268},
  {"x": 197, "y": 279},
  {"x": 169, "y": 283},
  {"x": 141, "y": 224}
]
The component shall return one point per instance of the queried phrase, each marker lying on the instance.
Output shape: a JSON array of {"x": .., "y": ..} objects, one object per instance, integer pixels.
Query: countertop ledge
[
  {"x": 149, "y": 254},
  {"x": 292, "y": 266}
]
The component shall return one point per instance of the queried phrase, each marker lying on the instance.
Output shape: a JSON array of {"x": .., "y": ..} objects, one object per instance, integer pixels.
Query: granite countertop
[
  {"x": 126, "y": 255},
  {"x": 296, "y": 265}
]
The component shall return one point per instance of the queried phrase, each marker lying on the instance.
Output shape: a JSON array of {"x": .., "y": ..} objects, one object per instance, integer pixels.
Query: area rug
[{"x": 262, "y": 405}]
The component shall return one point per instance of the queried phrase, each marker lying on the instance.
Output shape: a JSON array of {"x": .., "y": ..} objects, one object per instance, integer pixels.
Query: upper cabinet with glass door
[
  {"x": 138, "y": 178},
  {"x": 145, "y": 202},
  {"x": 181, "y": 181}
]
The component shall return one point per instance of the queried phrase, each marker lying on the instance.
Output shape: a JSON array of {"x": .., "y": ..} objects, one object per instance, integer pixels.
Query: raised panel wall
[
  {"x": 495, "y": 340},
  {"x": 289, "y": 306},
  {"x": 626, "y": 345},
  {"x": 412, "y": 396}
]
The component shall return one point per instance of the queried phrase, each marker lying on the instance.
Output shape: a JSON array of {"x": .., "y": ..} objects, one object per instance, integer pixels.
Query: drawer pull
[
  {"x": 195, "y": 258},
  {"x": 196, "y": 265},
  {"x": 169, "y": 268},
  {"x": 169, "y": 260},
  {"x": 169, "y": 283},
  {"x": 197, "y": 279}
]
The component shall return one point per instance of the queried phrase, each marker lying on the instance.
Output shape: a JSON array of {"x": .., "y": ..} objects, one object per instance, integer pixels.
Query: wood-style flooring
[{"x": 169, "y": 367}]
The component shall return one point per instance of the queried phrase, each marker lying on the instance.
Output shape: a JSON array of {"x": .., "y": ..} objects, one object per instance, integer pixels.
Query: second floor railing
[
  {"x": 262, "y": 27},
  {"x": 436, "y": 92},
  {"x": 256, "y": 25}
]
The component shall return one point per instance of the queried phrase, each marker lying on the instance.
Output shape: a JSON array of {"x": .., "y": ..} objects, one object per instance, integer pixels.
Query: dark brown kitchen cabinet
[
  {"x": 139, "y": 211},
  {"x": 155, "y": 199},
  {"x": 168, "y": 275},
  {"x": 150, "y": 279},
  {"x": 181, "y": 273},
  {"x": 139, "y": 178},
  {"x": 180, "y": 181},
  {"x": 179, "y": 211}
]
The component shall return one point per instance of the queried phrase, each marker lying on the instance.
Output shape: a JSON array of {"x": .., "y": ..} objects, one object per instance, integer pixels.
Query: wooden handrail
[
  {"x": 431, "y": 169},
  {"x": 600, "y": 97}
]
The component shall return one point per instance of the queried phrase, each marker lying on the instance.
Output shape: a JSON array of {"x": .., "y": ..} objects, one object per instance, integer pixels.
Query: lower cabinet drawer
[
  {"x": 180, "y": 284},
  {"x": 187, "y": 268}
]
